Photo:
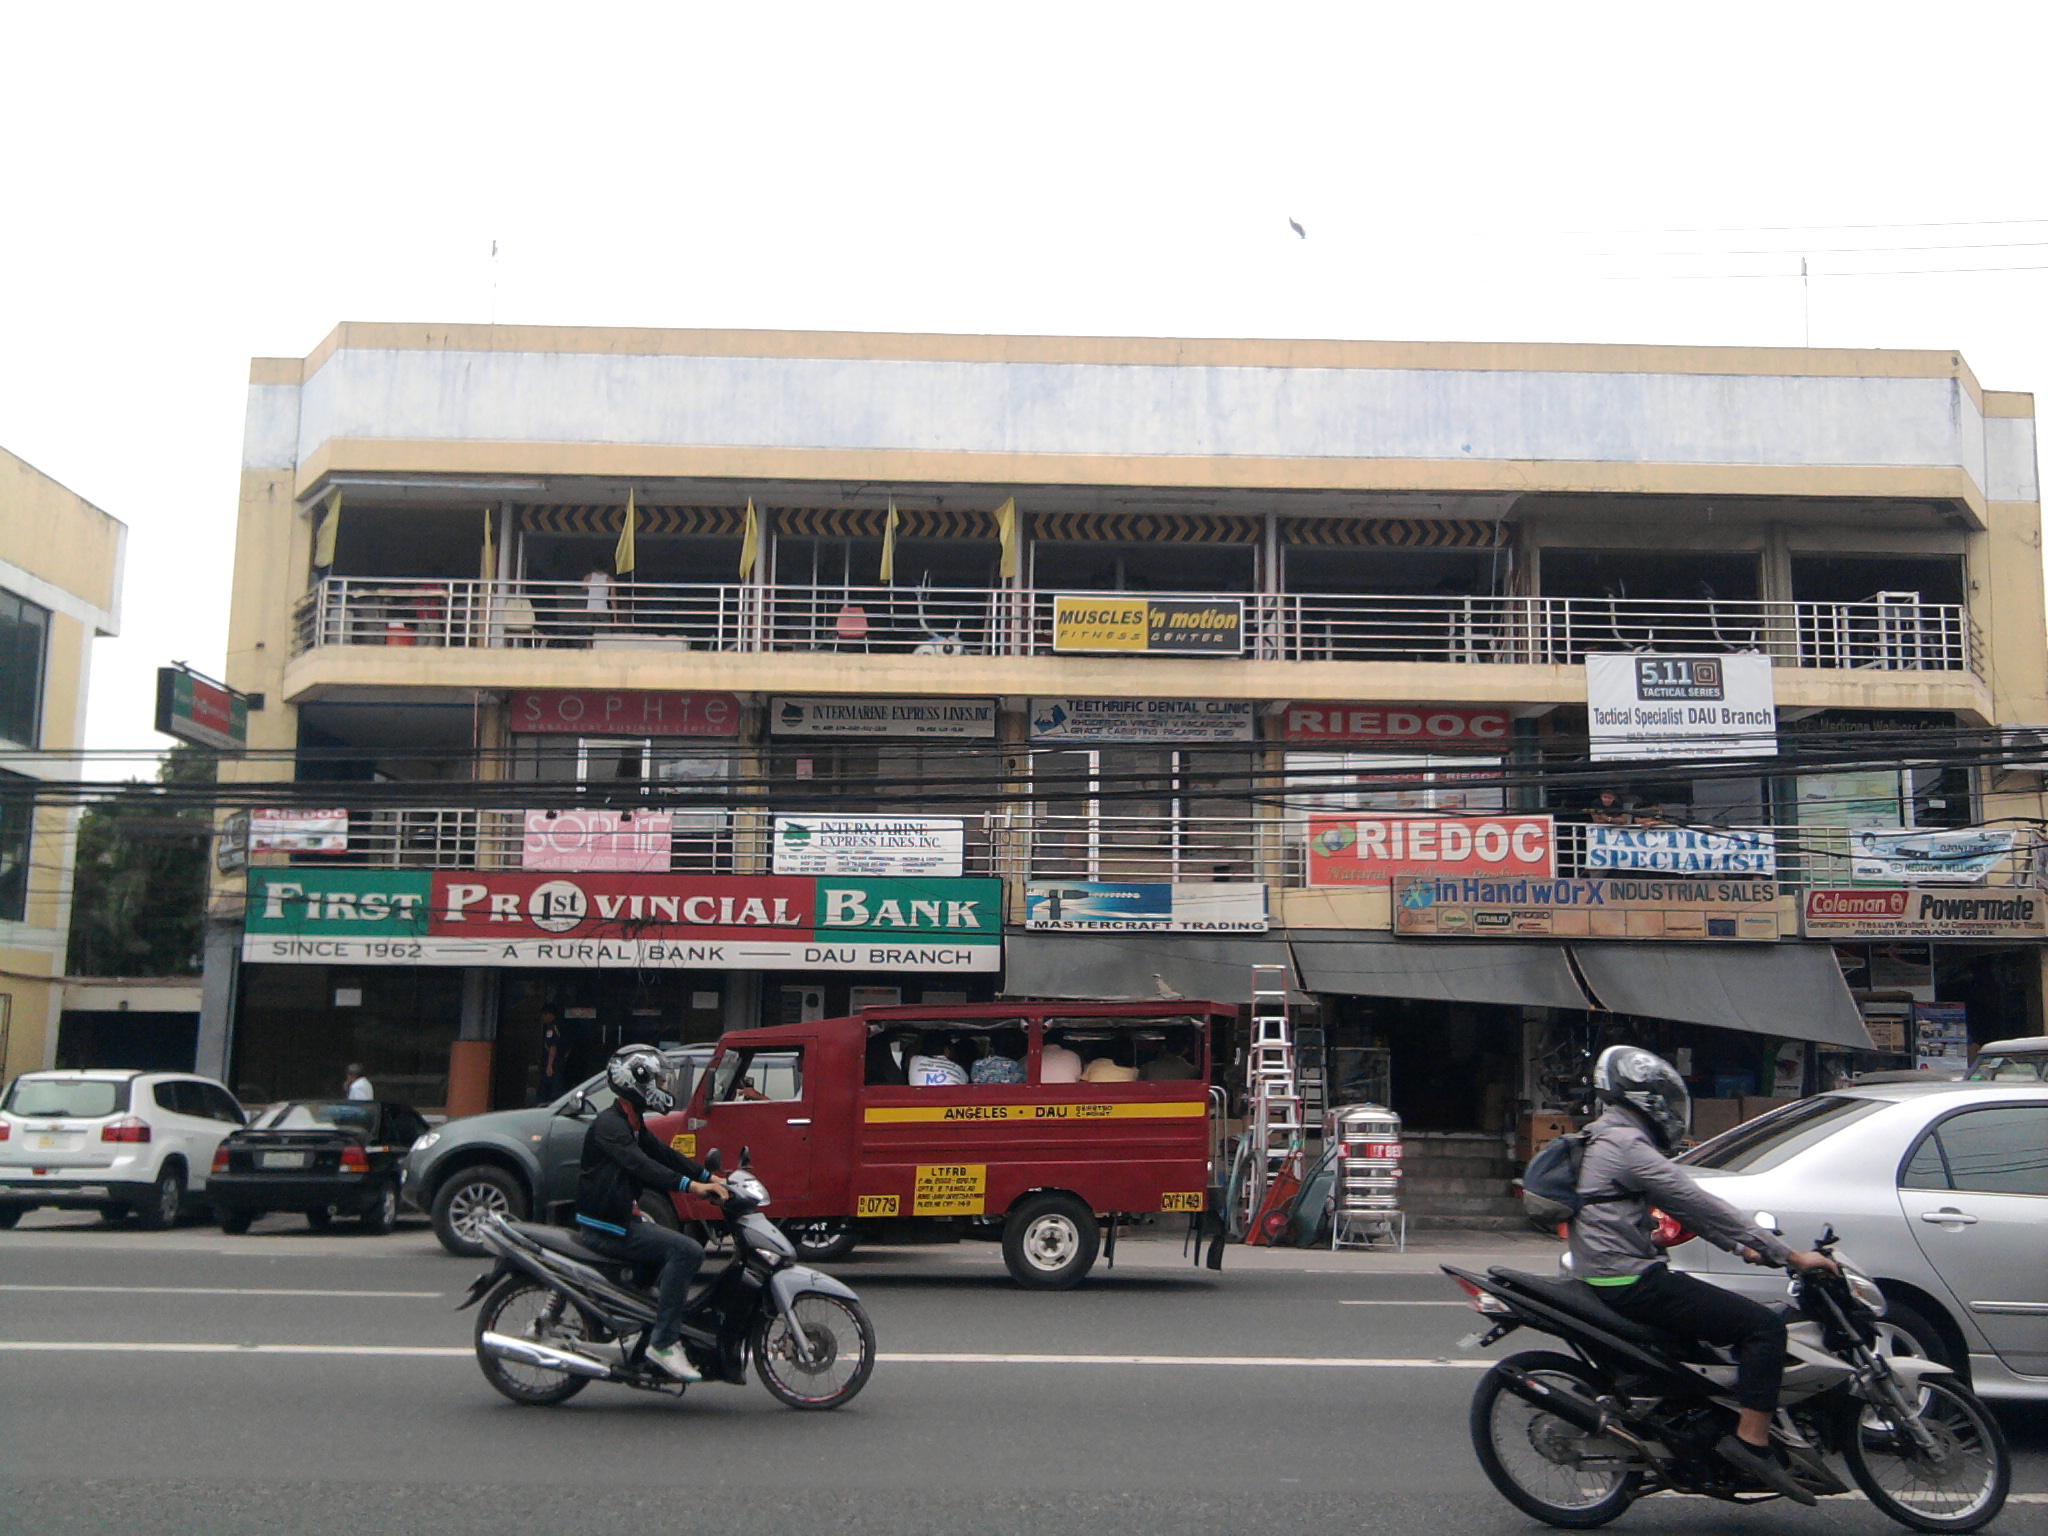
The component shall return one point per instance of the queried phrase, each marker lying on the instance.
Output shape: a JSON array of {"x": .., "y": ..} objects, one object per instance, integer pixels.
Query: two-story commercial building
[
  {"x": 619, "y": 684},
  {"x": 60, "y": 587}
]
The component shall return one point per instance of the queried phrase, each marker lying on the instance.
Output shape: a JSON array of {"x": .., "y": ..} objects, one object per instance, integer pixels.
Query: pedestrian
[
  {"x": 357, "y": 1086},
  {"x": 553, "y": 1056}
]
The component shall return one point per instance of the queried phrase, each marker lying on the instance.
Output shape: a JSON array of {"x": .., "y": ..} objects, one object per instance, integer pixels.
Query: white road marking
[
  {"x": 1404, "y": 1303},
  {"x": 101, "y": 1347},
  {"x": 221, "y": 1290}
]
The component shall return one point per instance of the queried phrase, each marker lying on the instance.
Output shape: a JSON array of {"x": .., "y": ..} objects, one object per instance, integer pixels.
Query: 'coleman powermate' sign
[{"x": 597, "y": 920}]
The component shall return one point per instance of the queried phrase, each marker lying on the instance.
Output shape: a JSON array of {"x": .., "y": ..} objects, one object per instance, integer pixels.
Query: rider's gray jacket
[{"x": 1612, "y": 1238}]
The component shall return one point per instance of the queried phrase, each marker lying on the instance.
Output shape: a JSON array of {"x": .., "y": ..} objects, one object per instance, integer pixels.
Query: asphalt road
[{"x": 1342, "y": 1407}]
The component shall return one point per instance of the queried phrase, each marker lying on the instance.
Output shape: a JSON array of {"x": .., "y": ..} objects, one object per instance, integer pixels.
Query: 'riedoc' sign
[{"x": 1371, "y": 850}]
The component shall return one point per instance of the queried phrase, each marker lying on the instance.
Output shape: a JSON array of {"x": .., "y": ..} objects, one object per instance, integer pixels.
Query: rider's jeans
[
  {"x": 679, "y": 1258},
  {"x": 1693, "y": 1309}
]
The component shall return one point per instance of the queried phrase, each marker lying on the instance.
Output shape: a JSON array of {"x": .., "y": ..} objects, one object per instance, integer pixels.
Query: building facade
[
  {"x": 623, "y": 684},
  {"x": 60, "y": 587}
]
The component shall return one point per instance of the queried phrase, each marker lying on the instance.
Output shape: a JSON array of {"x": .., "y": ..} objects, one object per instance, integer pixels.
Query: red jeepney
[{"x": 848, "y": 1148}]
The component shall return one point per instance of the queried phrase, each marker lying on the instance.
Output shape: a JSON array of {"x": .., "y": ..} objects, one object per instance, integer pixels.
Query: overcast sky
[{"x": 186, "y": 187}]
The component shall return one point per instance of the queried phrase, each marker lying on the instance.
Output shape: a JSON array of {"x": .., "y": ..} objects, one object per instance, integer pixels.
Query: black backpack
[{"x": 1550, "y": 1184}]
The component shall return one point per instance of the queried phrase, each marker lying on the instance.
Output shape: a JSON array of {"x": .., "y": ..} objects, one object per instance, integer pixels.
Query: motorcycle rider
[
  {"x": 1624, "y": 1172},
  {"x": 620, "y": 1158}
]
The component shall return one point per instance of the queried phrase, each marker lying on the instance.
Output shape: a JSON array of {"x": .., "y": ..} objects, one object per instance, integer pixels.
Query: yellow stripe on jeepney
[{"x": 899, "y": 1114}]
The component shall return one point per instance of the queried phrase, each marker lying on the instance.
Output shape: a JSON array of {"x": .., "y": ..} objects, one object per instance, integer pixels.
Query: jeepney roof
[{"x": 1149, "y": 1011}]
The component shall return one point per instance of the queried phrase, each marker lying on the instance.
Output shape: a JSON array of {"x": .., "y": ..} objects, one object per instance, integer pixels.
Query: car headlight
[
  {"x": 426, "y": 1141},
  {"x": 1865, "y": 1290}
]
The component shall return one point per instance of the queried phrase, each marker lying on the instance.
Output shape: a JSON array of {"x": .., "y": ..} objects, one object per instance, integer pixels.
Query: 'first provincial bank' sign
[{"x": 599, "y": 920}]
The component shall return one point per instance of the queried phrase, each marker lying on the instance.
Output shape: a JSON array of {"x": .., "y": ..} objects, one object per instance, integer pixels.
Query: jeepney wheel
[
  {"x": 1050, "y": 1242},
  {"x": 820, "y": 1240}
]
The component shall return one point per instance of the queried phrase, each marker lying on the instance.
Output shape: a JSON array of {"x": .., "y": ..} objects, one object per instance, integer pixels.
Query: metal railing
[
  {"x": 1804, "y": 856},
  {"x": 701, "y": 842},
  {"x": 1892, "y": 631},
  {"x": 1172, "y": 849}
]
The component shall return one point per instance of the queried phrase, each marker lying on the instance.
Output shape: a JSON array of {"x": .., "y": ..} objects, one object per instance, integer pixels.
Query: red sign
[
  {"x": 1419, "y": 727},
  {"x": 1886, "y": 904},
  {"x": 488, "y": 905},
  {"x": 591, "y": 713},
  {"x": 1371, "y": 850}
]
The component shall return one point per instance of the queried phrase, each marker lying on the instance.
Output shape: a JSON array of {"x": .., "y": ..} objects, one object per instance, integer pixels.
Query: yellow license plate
[
  {"x": 1180, "y": 1202},
  {"x": 875, "y": 1205}
]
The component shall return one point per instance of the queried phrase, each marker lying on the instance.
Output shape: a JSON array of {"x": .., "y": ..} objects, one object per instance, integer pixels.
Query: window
[
  {"x": 24, "y": 638},
  {"x": 1140, "y": 813},
  {"x": 220, "y": 1104},
  {"x": 17, "y": 842},
  {"x": 754, "y": 1076},
  {"x": 1765, "y": 1143},
  {"x": 82, "y": 1098},
  {"x": 2001, "y": 1151},
  {"x": 175, "y": 1097}
]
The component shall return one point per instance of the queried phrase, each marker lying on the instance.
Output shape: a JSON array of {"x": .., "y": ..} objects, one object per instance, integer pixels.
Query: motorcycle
[
  {"x": 556, "y": 1315},
  {"x": 1575, "y": 1439}
]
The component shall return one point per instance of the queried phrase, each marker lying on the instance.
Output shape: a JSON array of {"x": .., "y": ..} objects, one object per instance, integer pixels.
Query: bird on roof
[
  {"x": 1160, "y": 986},
  {"x": 1291, "y": 224}
]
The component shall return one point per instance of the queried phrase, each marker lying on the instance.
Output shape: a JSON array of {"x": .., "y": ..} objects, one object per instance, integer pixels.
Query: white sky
[{"x": 186, "y": 187}]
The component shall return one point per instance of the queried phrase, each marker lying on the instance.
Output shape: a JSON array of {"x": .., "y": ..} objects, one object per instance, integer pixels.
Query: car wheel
[
  {"x": 320, "y": 1218},
  {"x": 235, "y": 1223},
  {"x": 466, "y": 1198},
  {"x": 9, "y": 1215},
  {"x": 1904, "y": 1331},
  {"x": 1050, "y": 1242},
  {"x": 167, "y": 1203},
  {"x": 381, "y": 1217}
]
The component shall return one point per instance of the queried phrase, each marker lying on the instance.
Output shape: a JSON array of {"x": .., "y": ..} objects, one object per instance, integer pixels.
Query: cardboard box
[
  {"x": 1535, "y": 1132},
  {"x": 1710, "y": 1117}
]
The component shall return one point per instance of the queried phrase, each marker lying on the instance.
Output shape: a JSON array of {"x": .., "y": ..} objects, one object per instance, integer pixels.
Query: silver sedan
[{"x": 1939, "y": 1192}]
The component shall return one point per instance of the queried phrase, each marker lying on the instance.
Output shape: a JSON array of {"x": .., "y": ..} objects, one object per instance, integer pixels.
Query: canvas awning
[
  {"x": 1453, "y": 970},
  {"x": 1792, "y": 991},
  {"x": 1137, "y": 966}
]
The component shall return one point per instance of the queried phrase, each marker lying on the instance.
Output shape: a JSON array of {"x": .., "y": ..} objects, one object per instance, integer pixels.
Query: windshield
[
  {"x": 355, "y": 1116},
  {"x": 2031, "y": 1067},
  {"x": 83, "y": 1098},
  {"x": 1781, "y": 1134}
]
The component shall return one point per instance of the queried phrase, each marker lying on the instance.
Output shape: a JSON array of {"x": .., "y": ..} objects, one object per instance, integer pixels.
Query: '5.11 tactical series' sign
[{"x": 1641, "y": 707}]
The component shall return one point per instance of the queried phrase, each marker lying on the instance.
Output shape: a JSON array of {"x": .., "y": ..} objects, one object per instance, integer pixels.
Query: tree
[{"x": 138, "y": 894}]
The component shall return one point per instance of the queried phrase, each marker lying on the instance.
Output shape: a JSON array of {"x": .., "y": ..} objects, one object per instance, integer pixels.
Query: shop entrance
[
  {"x": 593, "y": 1013},
  {"x": 1450, "y": 1066}
]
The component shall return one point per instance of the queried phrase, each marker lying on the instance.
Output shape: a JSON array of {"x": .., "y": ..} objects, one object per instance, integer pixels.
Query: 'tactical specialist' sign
[
  {"x": 204, "y": 713},
  {"x": 1680, "y": 851},
  {"x": 869, "y": 845},
  {"x": 954, "y": 719},
  {"x": 1155, "y": 626},
  {"x": 1095, "y": 906},
  {"x": 1415, "y": 727},
  {"x": 1640, "y": 706},
  {"x": 1143, "y": 720},
  {"x": 1875, "y": 913},
  {"x": 637, "y": 841},
  {"x": 1354, "y": 849},
  {"x": 627, "y": 712},
  {"x": 603, "y": 920},
  {"x": 1429, "y": 907}
]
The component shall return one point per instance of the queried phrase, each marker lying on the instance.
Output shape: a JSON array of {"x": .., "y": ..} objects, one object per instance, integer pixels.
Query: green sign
[
  {"x": 968, "y": 910},
  {"x": 201, "y": 712},
  {"x": 356, "y": 903}
]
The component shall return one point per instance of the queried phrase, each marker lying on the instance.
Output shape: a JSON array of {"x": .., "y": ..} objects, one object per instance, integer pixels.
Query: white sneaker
[{"x": 672, "y": 1360}]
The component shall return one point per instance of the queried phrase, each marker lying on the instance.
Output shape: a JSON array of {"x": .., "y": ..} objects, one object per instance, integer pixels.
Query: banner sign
[
  {"x": 1681, "y": 851},
  {"x": 1143, "y": 720},
  {"x": 1641, "y": 706},
  {"x": 636, "y": 841},
  {"x": 277, "y": 830},
  {"x": 869, "y": 845},
  {"x": 1917, "y": 858},
  {"x": 604, "y": 920},
  {"x": 1371, "y": 850},
  {"x": 1156, "y": 626},
  {"x": 587, "y": 712},
  {"x": 1418, "y": 728},
  {"x": 1085, "y": 906},
  {"x": 1428, "y": 907},
  {"x": 1874, "y": 913},
  {"x": 958, "y": 719},
  {"x": 1941, "y": 1037},
  {"x": 203, "y": 713}
]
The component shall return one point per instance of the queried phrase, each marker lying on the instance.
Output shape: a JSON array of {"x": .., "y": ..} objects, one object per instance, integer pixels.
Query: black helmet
[
  {"x": 1647, "y": 1083},
  {"x": 638, "y": 1075}
]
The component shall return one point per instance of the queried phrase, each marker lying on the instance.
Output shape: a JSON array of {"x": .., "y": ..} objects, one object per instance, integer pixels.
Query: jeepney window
[
  {"x": 746, "y": 1077},
  {"x": 959, "y": 1053}
]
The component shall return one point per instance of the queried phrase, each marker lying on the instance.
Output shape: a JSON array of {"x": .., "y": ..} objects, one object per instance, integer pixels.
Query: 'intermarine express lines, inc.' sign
[{"x": 599, "y": 919}]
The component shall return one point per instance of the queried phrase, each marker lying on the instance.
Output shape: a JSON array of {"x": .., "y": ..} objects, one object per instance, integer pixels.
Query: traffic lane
[{"x": 925, "y": 1448}]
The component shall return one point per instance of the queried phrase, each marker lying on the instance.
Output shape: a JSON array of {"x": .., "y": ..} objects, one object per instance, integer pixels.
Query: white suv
[{"x": 114, "y": 1142}]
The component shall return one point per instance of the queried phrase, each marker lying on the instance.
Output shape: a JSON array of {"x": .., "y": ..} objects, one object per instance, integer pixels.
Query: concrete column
[
  {"x": 479, "y": 1003},
  {"x": 470, "y": 1058},
  {"x": 219, "y": 991},
  {"x": 742, "y": 993}
]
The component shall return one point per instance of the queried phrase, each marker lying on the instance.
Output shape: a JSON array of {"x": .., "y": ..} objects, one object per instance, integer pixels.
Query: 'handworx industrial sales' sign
[
  {"x": 600, "y": 920},
  {"x": 1159, "y": 626},
  {"x": 1437, "y": 908},
  {"x": 1875, "y": 913},
  {"x": 1680, "y": 851}
]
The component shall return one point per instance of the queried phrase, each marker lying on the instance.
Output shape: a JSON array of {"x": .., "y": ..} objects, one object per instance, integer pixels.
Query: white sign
[
  {"x": 296, "y": 831},
  {"x": 849, "y": 954},
  {"x": 1920, "y": 858},
  {"x": 958, "y": 719},
  {"x": 869, "y": 845},
  {"x": 1097, "y": 906},
  {"x": 1680, "y": 851},
  {"x": 1656, "y": 706},
  {"x": 1143, "y": 720}
]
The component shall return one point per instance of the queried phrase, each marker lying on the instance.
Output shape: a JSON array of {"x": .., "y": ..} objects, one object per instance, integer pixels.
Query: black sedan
[{"x": 325, "y": 1157}]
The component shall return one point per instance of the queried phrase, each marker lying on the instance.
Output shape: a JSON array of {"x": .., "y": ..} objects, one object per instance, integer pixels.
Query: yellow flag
[
  {"x": 889, "y": 546},
  {"x": 750, "y": 546},
  {"x": 489, "y": 563},
  {"x": 622, "y": 557},
  {"x": 324, "y": 536},
  {"x": 1006, "y": 530}
]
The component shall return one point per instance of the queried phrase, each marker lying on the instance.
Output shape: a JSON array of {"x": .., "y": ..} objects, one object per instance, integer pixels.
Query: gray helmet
[
  {"x": 638, "y": 1075},
  {"x": 1648, "y": 1084}
]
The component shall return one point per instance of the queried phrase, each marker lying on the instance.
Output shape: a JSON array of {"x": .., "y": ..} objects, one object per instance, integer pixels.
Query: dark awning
[
  {"x": 1136, "y": 966},
  {"x": 1793, "y": 991},
  {"x": 1372, "y": 964}
]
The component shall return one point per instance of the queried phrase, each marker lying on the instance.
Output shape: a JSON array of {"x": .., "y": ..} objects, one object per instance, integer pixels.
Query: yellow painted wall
[{"x": 58, "y": 534}]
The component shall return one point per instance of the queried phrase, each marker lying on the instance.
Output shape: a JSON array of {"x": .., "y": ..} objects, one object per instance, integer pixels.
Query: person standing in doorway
[
  {"x": 357, "y": 1086},
  {"x": 554, "y": 1056}
]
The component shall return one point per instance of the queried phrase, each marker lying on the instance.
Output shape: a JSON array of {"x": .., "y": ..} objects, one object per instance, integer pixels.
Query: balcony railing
[
  {"x": 701, "y": 843},
  {"x": 1891, "y": 632}
]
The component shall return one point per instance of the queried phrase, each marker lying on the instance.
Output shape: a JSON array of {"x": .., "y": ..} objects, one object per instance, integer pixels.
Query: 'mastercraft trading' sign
[{"x": 309, "y": 916}]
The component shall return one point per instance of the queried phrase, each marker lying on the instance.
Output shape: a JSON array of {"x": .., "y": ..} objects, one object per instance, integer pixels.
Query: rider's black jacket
[{"x": 621, "y": 1158}]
